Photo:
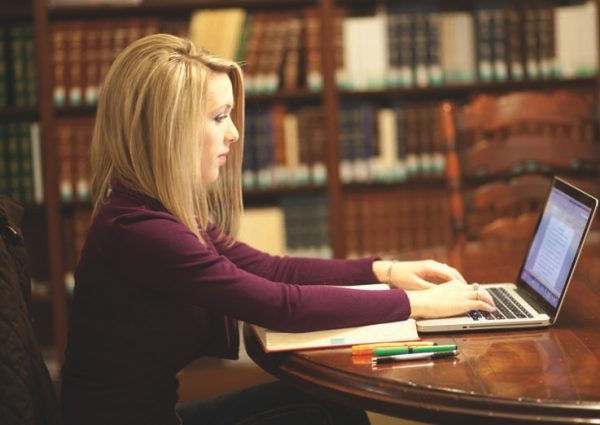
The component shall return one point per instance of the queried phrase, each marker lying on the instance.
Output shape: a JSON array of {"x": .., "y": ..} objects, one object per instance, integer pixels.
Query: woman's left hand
[{"x": 415, "y": 275}]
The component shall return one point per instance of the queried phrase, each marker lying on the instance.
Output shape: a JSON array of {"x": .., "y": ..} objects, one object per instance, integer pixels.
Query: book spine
[
  {"x": 280, "y": 171},
  {"x": 292, "y": 61},
  {"x": 412, "y": 141},
  {"x": 483, "y": 34},
  {"x": 500, "y": 55},
  {"x": 345, "y": 147},
  {"x": 264, "y": 150},
  {"x": 312, "y": 49},
  {"x": 546, "y": 40},
  {"x": 58, "y": 36},
  {"x": 81, "y": 141},
  {"x": 532, "y": 49},
  {"x": 401, "y": 171},
  {"x": 37, "y": 162},
  {"x": 515, "y": 42},
  {"x": 65, "y": 161},
  {"x": 253, "y": 49},
  {"x": 30, "y": 66},
  {"x": 249, "y": 159},
  {"x": 419, "y": 47},
  {"x": 292, "y": 149},
  {"x": 74, "y": 63},
  {"x": 434, "y": 61},
  {"x": 316, "y": 144},
  {"x": 25, "y": 159},
  {"x": 19, "y": 65},
  {"x": 388, "y": 149},
  {"x": 4, "y": 66},
  {"x": 14, "y": 161},
  {"x": 91, "y": 59},
  {"x": 4, "y": 166},
  {"x": 105, "y": 48}
]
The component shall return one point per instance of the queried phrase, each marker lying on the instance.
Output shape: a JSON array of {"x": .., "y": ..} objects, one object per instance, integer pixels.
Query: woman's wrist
[
  {"x": 415, "y": 301},
  {"x": 384, "y": 270}
]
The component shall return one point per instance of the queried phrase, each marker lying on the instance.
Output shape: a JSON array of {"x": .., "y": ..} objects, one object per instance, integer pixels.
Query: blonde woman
[{"x": 162, "y": 280}]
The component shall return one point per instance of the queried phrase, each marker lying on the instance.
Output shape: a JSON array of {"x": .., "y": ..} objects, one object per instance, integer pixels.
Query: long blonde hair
[{"x": 148, "y": 132}]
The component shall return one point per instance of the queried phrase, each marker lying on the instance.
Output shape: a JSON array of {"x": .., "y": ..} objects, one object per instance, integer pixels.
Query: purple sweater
[{"x": 149, "y": 298}]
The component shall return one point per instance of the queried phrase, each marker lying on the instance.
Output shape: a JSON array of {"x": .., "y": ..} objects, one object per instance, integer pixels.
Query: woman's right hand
[{"x": 449, "y": 299}]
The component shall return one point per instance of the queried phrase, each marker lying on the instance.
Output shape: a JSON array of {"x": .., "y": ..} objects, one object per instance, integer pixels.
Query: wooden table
[{"x": 544, "y": 376}]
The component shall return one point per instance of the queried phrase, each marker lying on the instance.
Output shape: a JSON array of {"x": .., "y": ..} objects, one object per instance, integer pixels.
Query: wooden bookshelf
[{"x": 330, "y": 97}]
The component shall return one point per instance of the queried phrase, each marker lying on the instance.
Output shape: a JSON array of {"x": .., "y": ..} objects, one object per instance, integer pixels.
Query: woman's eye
[{"x": 220, "y": 118}]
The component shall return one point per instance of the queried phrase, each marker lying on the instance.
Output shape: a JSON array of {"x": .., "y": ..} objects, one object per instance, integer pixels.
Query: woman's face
[{"x": 219, "y": 132}]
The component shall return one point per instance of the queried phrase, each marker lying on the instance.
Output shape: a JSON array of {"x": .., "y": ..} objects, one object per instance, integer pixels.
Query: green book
[
  {"x": 25, "y": 160},
  {"x": 30, "y": 74},
  {"x": 3, "y": 161},
  {"x": 17, "y": 53},
  {"x": 13, "y": 166},
  {"x": 3, "y": 70}
]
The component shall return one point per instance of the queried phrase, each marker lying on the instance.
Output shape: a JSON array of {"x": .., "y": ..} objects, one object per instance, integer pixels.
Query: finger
[
  {"x": 480, "y": 295},
  {"x": 456, "y": 274},
  {"x": 482, "y": 305},
  {"x": 485, "y": 296},
  {"x": 446, "y": 272}
]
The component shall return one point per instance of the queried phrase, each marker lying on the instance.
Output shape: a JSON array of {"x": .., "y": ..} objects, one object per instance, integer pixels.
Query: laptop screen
[{"x": 557, "y": 241}]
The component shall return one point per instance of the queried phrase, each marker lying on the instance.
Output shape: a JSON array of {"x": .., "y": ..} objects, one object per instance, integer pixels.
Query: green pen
[{"x": 405, "y": 350}]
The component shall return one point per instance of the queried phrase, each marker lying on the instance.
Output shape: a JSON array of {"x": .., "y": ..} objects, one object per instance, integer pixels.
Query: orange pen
[{"x": 363, "y": 349}]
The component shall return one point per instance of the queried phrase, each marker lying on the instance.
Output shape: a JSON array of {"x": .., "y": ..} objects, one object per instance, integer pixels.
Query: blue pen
[{"x": 413, "y": 356}]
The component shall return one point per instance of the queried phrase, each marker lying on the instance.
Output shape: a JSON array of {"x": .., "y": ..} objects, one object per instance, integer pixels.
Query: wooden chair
[{"x": 502, "y": 152}]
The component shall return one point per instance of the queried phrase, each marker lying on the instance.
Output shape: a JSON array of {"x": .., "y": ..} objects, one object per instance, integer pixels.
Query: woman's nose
[{"x": 232, "y": 135}]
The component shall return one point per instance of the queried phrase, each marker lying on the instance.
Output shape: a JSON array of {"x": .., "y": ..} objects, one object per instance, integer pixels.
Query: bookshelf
[{"x": 59, "y": 219}]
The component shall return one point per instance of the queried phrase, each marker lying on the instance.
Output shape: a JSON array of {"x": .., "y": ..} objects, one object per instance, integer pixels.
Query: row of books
[
  {"x": 82, "y": 52},
  {"x": 279, "y": 50},
  {"x": 386, "y": 222},
  {"x": 389, "y": 144},
  {"x": 18, "y": 77},
  {"x": 284, "y": 147},
  {"x": 21, "y": 171},
  {"x": 271, "y": 45},
  {"x": 415, "y": 44}
]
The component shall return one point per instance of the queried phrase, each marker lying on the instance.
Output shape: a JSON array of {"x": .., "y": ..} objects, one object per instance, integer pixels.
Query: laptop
[{"x": 543, "y": 279}]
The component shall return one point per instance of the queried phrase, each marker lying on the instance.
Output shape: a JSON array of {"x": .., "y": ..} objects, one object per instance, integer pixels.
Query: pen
[
  {"x": 361, "y": 349},
  {"x": 389, "y": 351},
  {"x": 412, "y": 356}
]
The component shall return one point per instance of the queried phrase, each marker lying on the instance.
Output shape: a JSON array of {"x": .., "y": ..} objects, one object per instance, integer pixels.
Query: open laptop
[{"x": 546, "y": 271}]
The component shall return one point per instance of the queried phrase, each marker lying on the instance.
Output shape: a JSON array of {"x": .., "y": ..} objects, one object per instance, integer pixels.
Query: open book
[{"x": 405, "y": 330}]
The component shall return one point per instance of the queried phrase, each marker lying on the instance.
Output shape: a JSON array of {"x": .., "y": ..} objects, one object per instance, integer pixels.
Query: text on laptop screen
[{"x": 555, "y": 245}]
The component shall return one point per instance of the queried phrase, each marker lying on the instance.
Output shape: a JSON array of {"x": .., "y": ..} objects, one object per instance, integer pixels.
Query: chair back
[{"x": 501, "y": 153}]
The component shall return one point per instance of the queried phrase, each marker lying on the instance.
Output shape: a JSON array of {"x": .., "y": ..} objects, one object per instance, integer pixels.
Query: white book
[
  {"x": 388, "y": 146},
  {"x": 273, "y": 341},
  {"x": 37, "y": 163},
  {"x": 457, "y": 47},
  {"x": 365, "y": 51},
  {"x": 576, "y": 42},
  {"x": 589, "y": 42}
]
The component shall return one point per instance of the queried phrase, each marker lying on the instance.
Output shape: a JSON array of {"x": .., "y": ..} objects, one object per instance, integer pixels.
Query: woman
[{"x": 161, "y": 279}]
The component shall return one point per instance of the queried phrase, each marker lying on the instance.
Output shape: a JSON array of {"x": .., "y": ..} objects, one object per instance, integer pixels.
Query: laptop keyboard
[{"x": 506, "y": 307}]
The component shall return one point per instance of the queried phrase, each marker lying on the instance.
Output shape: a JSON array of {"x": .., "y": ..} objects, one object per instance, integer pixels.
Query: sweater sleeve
[
  {"x": 294, "y": 269},
  {"x": 162, "y": 255}
]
